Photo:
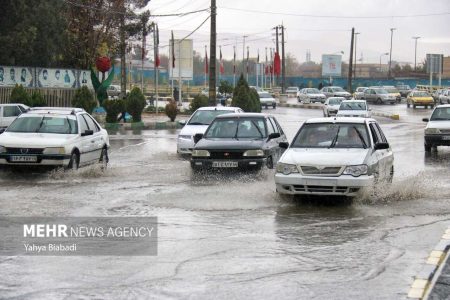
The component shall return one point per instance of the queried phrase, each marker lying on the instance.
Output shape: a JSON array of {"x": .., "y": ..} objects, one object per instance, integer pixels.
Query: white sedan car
[
  {"x": 437, "y": 132},
  {"x": 267, "y": 100},
  {"x": 354, "y": 108},
  {"x": 198, "y": 123},
  {"x": 46, "y": 136},
  {"x": 335, "y": 156},
  {"x": 331, "y": 106}
]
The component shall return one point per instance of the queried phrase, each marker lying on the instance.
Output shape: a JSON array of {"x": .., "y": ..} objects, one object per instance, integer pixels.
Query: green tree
[
  {"x": 256, "y": 102},
  {"x": 244, "y": 98},
  {"x": 20, "y": 95},
  {"x": 84, "y": 98},
  {"x": 199, "y": 101},
  {"x": 225, "y": 87},
  {"x": 37, "y": 100},
  {"x": 113, "y": 109},
  {"x": 135, "y": 104}
]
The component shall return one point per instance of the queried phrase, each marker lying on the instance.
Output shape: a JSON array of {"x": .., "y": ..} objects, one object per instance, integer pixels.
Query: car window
[
  {"x": 91, "y": 124},
  {"x": 271, "y": 128},
  {"x": 353, "y": 106},
  {"x": 252, "y": 128},
  {"x": 11, "y": 111},
  {"x": 44, "y": 124},
  {"x": 383, "y": 138},
  {"x": 205, "y": 117},
  {"x": 441, "y": 114},
  {"x": 83, "y": 124},
  {"x": 280, "y": 130},
  {"x": 376, "y": 136}
]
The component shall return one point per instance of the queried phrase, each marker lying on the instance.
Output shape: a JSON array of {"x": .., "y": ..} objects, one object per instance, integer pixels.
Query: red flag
[
  {"x": 206, "y": 62},
  {"x": 266, "y": 71},
  {"x": 222, "y": 70},
  {"x": 271, "y": 69},
  {"x": 277, "y": 64},
  {"x": 234, "y": 60}
]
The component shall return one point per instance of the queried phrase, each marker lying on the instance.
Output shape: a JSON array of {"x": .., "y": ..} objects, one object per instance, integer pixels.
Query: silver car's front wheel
[
  {"x": 104, "y": 159},
  {"x": 74, "y": 162}
]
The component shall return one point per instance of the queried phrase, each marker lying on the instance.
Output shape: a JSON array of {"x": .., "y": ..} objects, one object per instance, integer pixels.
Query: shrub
[
  {"x": 20, "y": 95},
  {"x": 113, "y": 109},
  {"x": 256, "y": 102},
  {"x": 37, "y": 100},
  {"x": 135, "y": 103},
  {"x": 152, "y": 109},
  {"x": 84, "y": 99},
  {"x": 244, "y": 98},
  {"x": 225, "y": 87},
  {"x": 171, "y": 110},
  {"x": 199, "y": 101}
]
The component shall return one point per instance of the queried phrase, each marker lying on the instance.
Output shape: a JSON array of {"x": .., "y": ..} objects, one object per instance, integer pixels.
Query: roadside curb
[
  {"x": 386, "y": 115},
  {"x": 436, "y": 259}
]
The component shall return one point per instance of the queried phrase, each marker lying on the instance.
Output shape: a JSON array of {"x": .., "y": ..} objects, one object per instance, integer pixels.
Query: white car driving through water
[{"x": 335, "y": 156}]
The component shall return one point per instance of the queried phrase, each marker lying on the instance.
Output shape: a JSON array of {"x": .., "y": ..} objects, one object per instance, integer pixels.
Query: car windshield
[
  {"x": 335, "y": 101},
  {"x": 360, "y": 89},
  {"x": 392, "y": 90},
  {"x": 381, "y": 91},
  {"x": 338, "y": 89},
  {"x": 265, "y": 95},
  {"x": 45, "y": 124},
  {"x": 420, "y": 94},
  {"x": 312, "y": 91},
  {"x": 205, "y": 117},
  {"x": 328, "y": 135},
  {"x": 352, "y": 106},
  {"x": 441, "y": 114},
  {"x": 244, "y": 128}
]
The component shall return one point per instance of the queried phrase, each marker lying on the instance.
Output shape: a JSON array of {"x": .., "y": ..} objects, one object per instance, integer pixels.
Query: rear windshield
[
  {"x": 245, "y": 128},
  {"x": 265, "y": 95},
  {"x": 44, "y": 124},
  {"x": 420, "y": 94},
  {"x": 313, "y": 91},
  {"x": 205, "y": 117},
  {"x": 335, "y": 101},
  {"x": 353, "y": 106},
  {"x": 328, "y": 135}
]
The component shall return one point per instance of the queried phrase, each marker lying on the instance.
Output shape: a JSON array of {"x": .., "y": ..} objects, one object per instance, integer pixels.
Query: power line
[{"x": 334, "y": 16}]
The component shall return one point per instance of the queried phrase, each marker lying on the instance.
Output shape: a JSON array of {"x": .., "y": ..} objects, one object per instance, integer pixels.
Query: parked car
[
  {"x": 198, "y": 123},
  {"x": 335, "y": 91},
  {"x": 444, "y": 97},
  {"x": 292, "y": 91},
  {"x": 9, "y": 112},
  {"x": 403, "y": 89},
  {"x": 419, "y": 98},
  {"x": 393, "y": 91},
  {"x": 54, "y": 136},
  {"x": 437, "y": 132},
  {"x": 335, "y": 156},
  {"x": 331, "y": 106},
  {"x": 379, "y": 96},
  {"x": 239, "y": 141},
  {"x": 113, "y": 91},
  {"x": 359, "y": 92},
  {"x": 310, "y": 95},
  {"x": 436, "y": 95},
  {"x": 354, "y": 108},
  {"x": 267, "y": 100}
]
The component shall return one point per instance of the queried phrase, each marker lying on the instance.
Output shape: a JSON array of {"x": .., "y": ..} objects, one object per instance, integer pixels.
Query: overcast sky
[{"x": 319, "y": 31}]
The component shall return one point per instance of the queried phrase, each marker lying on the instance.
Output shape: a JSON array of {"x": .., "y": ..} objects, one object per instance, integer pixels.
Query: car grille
[
  {"x": 24, "y": 150},
  {"x": 312, "y": 170},
  {"x": 324, "y": 189},
  {"x": 226, "y": 154},
  {"x": 445, "y": 131}
]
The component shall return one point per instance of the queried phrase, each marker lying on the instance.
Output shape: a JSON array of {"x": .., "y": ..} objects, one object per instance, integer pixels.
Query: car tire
[
  {"x": 74, "y": 162},
  {"x": 407, "y": 104},
  {"x": 274, "y": 106},
  {"x": 269, "y": 162},
  {"x": 104, "y": 159},
  {"x": 414, "y": 106},
  {"x": 379, "y": 101},
  {"x": 427, "y": 147},
  {"x": 391, "y": 175}
]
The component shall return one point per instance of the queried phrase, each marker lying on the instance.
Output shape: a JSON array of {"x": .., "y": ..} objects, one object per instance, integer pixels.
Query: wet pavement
[{"x": 227, "y": 237}]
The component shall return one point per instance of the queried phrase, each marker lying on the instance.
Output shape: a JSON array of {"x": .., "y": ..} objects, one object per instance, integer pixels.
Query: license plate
[
  {"x": 23, "y": 158},
  {"x": 446, "y": 137},
  {"x": 323, "y": 182},
  {"x": 225, "y": 164}
]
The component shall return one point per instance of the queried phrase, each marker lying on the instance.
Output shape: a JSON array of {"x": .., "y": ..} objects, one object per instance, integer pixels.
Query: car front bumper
[
  {"x": 344, "y": 185},
  {"x": 41, "y": 160},
  {"x": 437, "y": 139},
  {"x": 243, "y": 163},
  {"x": 185, "y": 146}
]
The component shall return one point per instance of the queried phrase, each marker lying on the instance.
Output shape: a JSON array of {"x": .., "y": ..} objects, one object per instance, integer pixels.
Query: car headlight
[
  {"x": 432, "y": 131},
  {"x": 184, "y": 137},
  {"x": 253, "y": 153},
  {"x": 356, "y": 170},
  {"x": 2, "y": 149},
  {"x": 200, "y": 153},
  {"x": 286, "y": 169},
  {"x": 54, "y": 150}
]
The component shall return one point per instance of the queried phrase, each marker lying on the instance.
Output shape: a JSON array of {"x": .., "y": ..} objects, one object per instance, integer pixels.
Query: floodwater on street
[{"x": 232, "y": 236}]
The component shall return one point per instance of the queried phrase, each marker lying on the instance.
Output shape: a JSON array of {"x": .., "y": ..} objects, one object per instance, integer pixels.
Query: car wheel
[
  {"x": 270, "y": 162},
  {"x": 104, "y": 159},
  {"x": 407, "y": 104},
  {"x": 391, "y": 175},
  {"x": 274, "y": 106},
  {"x": 427, "y": 148},
  {"x": 414, "y": 106},
  {"x": 74, "y": 161},
  {"x": 379, "y": 101}
]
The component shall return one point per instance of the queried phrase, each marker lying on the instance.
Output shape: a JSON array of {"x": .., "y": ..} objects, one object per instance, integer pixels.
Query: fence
[{"x": 54, "y": 97}]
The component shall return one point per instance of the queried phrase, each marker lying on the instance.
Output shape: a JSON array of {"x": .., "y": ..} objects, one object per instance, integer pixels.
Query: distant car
[
  {"x": 311, "y": 95},
  {"x": 379, "y": 96},
  {"x": 419, "y": 98},
  {"x": 436, "y": 95},
  {"x": 239, "y": 141},
  {"x": 113, "y": 91},
  {"x": 292, "y": 91},
  {"x": 403, "y": 89},
  {"x": 9, "y": 112},
  {"x": 335, "y": 91},
  {"x": 267, "y": 100},
  {"x": 335, "y": 156},
  {"x": 54, "y": 136},
  {"x": 359, "y": 92},
  {"x": 437, "y": 132},
  {"x": 444, "y": 97},
  {"x": 354, "y": 108},
  {"x": 331, "y": 106},
  {"x": 198, "y": 123},
  {"x": 393, "y": 91}
]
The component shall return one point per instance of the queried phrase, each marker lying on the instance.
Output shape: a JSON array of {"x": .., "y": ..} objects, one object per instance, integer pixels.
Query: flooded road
[{"x": 227, "y": 237}]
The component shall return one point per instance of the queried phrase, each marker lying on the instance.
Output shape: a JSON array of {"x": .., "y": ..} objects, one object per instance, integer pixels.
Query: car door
[
  {"x": 9, "y": 114},
  {"x": 387, "y": 154},
  {"x": 282, "y": 138},
  {"x": 96, "y": 139},
  {"x": 86, "y": 142},
  {"x": 380, "y": 155}
]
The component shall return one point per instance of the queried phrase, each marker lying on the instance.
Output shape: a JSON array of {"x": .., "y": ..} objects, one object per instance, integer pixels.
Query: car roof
[
  {"x": 13, "y": 104},
  {"x": 228, "y": 108},
  {"x": 339, "y": 120},
  {"x": 244, "y": 115},
  {"x": 339, "y": 98},
  {"x": 346, "y": 101},
  {"x": 443, "y": 106},
  {"x": 55, "y": 110}
]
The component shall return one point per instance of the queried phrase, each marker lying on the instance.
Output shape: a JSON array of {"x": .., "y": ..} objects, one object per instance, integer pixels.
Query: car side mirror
[
  {"x": 87, "y": 132},
  {"x": 425, "y": 119},
  {"x": 198, "y": 137},
  {"x": 274, "y": 135},
  {"x": 2, "y": 130},
  {"x": 283, "y": 145},
  {"x": 182, "y": 123},
  {"x": 381, "y": 146},
  {"x": 369, "y": 109}
]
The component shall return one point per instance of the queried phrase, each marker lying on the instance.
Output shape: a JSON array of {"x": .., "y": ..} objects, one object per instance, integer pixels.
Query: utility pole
[
  {"x": 276, "y": 49},
  {"x": 243, "y": 53},
  {"x": 123, "y": 45},
  {"x": 283, "y": 62},
  {"x": 350, "y": 64},
  {"x": 390, "y": 54},
  {"x": 212, "y": 56},
  {"x": 415, "y": 52},
  {"x": 354, "y": 68},
  {"x": 156, "y": 60}
]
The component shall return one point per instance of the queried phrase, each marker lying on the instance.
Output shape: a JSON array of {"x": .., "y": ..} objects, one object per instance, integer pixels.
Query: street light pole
[
  {"x": 243, "y": 54},
  {"x": 390, "y": 53},
  {"x": 354, "y": 68},
  {"x": 382, "y": 56},
  {"x": 415, "y": 52}
]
